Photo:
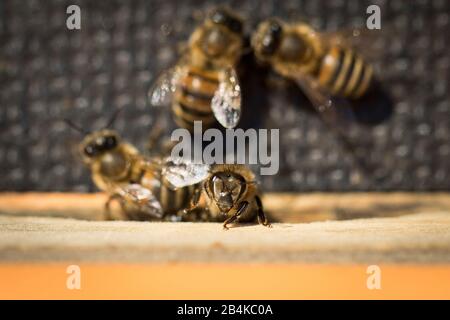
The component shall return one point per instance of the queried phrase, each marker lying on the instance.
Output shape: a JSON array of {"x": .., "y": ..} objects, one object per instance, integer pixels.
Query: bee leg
[
  {"x": 107, "y": 210},
  {"x": 242, "y": 207},
  {"x": 188, "y": 214},
  {"x": 157, "y": 143},
  {"x": 153, "y": 137},
  {"x": 262, "y": 219},
  {"x": 195, "y": 198},
  {"x": 193, "y": 202}
]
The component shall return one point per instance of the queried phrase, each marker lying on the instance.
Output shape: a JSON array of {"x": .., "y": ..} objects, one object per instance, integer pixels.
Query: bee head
[
  {"x": 101, "y": 149},
  {"x": 267, "y": 38},
  {"x": 227, "y": 189},
  {"x": 225, "y": 18},
  {"x": 222, "y": 31},
  {"x": 98, "y": 143}
]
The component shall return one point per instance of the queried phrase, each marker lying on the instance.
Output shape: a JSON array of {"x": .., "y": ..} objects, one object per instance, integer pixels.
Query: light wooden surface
[
  {"x": 418, "y": 238},
  {"x": 283, "y": 207},
  {"x": 374, "y": 228}
]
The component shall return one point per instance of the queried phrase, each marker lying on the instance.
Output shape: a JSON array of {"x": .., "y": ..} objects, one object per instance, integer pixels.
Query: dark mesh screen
[{"x": 48, "y": 72}]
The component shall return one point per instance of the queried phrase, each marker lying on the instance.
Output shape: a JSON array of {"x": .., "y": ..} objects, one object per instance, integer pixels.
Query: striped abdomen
[
  {"x": 172, "y": 201},
  {"x": 344, "y": 73},
  {"x": 193, "y": 98}
]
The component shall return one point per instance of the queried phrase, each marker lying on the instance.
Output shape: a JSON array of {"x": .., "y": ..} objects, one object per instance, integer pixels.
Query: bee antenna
[
  {"x": 75, "y": 127},
  {"x": 114, "y": 118}
]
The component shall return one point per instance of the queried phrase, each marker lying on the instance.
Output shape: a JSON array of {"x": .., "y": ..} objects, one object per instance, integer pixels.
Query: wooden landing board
[
  {"x": 326, "y": 256},
  {"x": 418, "y": 238},
  {"x": 283, "y": 207}
]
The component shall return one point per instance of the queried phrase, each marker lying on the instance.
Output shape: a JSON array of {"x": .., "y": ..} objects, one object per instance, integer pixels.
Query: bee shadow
[
  {"x": 255, "y": 93},
  {"x": 372, "y": 109},
  {"x": 375, "y": 107}
]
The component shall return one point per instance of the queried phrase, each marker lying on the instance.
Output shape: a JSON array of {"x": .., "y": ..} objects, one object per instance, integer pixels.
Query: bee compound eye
[
  {"x": 271, "y": 39},
  {"x": 223, "y": 18},
  {"x": 218, "y": 17},
  {"x": 235, "y": 25},
  {"x": 109, "y": 143},
  {"x": 90, "y": 151},
  {"x": 99, "y": 142},
  {"x": 217, "y": 184},
  {"x": 275, "y": 28},
  {"x": 268, "y": 47}
]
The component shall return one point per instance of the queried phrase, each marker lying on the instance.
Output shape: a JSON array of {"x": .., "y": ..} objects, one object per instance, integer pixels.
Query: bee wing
[
  {"x": 161, "y": 93},
  {"x": 142, "y": 197},
  {"x": 182, "y": 173},
  {"x": 153, "y": 164},
  {"x": 226, "y": 103},
  {"x": 335, "y": 112},
  {"x": 371, "y": 44}
]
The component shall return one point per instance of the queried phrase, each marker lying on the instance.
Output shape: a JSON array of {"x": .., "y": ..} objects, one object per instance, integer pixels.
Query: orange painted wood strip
[{"x": 223, "y": 281}]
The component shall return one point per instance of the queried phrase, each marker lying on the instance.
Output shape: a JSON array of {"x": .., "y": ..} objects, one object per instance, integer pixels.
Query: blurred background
[{"x": 48, "y": 72}]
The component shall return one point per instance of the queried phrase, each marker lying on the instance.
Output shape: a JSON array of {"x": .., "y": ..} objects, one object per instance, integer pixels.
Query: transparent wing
[
  {"x": 153, "y": 164},
  {"x": 161, "y": 93},
  {"x": 143, "y": 198},
  {"x": 371, "y": 44},
  {"x": 182, "y": 173},
  {"x": 336, "y": 113},
  {"x": 226, "y": 103}
]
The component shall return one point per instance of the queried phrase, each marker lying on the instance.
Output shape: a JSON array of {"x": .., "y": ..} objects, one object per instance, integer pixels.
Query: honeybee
[
  {"x": 145, "y": 188},
  {"x": 204, "y": 85},
  {"x": 323, "y": 64},
  {"x": 230, "y": 194},
  {"x": 326, "y": 66}
]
